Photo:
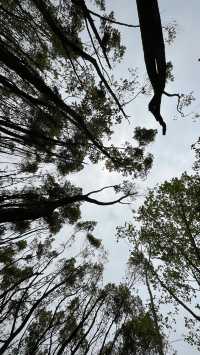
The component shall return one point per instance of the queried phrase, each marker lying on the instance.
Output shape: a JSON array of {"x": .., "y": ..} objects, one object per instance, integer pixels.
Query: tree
[
  {"x": 52, "y": 304},
  {"x": 167, "y": 245},
  {"x": 92, "y": 104},
  {"x": 58, "y": 106}
]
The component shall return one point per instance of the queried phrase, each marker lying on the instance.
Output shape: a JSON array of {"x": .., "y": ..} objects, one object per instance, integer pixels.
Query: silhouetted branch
[
  {"x": 86, "y": 12},
  {"x": 105, "y": 18},
  {"x": 66, "y": 42}
]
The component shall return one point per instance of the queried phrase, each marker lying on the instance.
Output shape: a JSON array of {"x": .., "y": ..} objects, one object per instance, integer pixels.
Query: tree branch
[
  {"x": 66, "y": 42},
  {"x": 105, "y": 18}
]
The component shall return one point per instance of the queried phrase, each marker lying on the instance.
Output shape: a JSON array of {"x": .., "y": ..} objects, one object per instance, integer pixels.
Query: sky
[{"x": 172, "y": 153}]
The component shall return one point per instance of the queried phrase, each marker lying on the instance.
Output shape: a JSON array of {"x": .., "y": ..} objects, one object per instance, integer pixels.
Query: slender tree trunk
[{"x": 154, "y": 313}]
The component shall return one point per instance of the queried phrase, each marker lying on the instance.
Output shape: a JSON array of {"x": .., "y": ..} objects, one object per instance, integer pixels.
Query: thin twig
[{"x": 178, "y": 103}]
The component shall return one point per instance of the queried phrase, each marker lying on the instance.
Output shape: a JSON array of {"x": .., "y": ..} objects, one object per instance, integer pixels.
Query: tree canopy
[
  {"x": 54, "y": 304},
  {"x": 58, "y": 105},
  {"x": 166, "y": 246},
  {"x": 62, "y": 100}
]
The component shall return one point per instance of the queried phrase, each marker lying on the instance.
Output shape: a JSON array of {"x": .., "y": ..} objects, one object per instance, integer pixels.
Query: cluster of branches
[
  {"x": 57, "y": 105},
  {"x": 51, "y": 304},
  {"x": 166, "y": 248}
]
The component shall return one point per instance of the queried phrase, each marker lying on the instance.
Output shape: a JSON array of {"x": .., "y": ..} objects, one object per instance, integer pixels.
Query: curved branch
[
  {"x": 101, "y": 189},
  {"x": 100, "y": 203},
  {"x": 113, "y": 21},
  {"x": 178, "y": 103}
]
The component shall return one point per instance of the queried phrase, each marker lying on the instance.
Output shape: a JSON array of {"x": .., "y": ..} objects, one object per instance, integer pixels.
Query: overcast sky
[{"x": 172, "y": 153}]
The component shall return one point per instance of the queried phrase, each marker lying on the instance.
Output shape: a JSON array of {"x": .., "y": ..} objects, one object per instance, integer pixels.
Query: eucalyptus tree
[
  {"x": 54, "y": 304},
  {"x": 166, "y": 246},
  {"x": 51, "y": 96},
  {"x": 59, "y": 104}
]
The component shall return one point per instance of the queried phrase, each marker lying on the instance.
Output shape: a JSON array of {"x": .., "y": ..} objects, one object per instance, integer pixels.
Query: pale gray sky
[{"x": 172, "y": 153}]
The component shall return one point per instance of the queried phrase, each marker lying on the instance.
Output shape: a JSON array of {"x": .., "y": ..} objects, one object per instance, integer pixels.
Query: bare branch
[
  {"x": 113, "y": 21},
  {"x": 178, "y": 103}
]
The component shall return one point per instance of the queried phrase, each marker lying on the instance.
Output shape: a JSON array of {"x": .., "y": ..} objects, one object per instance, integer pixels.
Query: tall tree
[
  {"x": 59, "y": 103},
  {"x": 53, "y": 304},
  {"x": 36, "y": 67},
  {"x": 167, "y": 245}
]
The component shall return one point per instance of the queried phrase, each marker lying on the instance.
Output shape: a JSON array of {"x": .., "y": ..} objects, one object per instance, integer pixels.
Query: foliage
[
  {"x": 167, "y": 245},
  {"x": 58, "y": 107},
  {"x": 51, "y": 303}
]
